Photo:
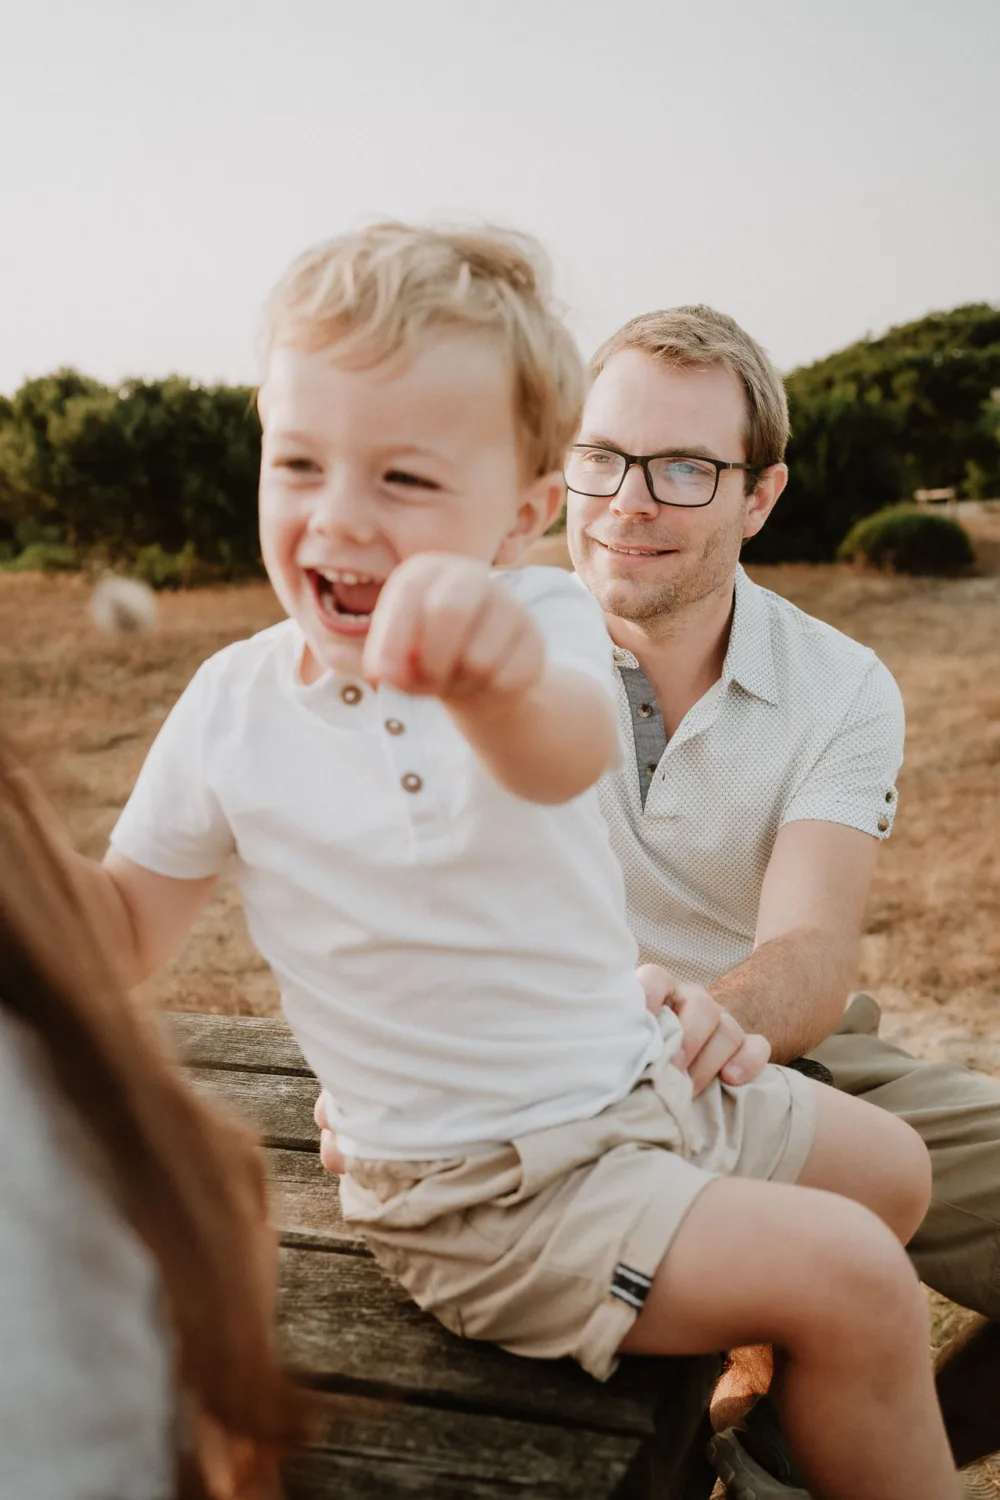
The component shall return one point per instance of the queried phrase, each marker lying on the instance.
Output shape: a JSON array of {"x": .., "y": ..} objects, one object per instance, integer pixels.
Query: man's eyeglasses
[{"x": 671, "y": 478}]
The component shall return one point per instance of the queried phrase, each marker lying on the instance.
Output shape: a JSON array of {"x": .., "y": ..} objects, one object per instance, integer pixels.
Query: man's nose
[{"x": 634, "y": 499}]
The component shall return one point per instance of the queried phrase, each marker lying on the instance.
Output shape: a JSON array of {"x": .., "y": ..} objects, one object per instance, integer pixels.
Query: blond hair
[
  {"x": 698, "y": 335},
  {"x": 375, "y": 293}
]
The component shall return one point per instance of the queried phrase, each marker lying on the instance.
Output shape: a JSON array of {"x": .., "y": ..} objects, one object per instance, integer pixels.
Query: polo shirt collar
[{"x": 750, "y": 656}]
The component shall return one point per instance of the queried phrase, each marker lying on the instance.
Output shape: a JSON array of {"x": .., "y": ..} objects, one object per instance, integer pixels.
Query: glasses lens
[
  {"x": 682, "y": 481},
  {"x": 593, "y": 471}
]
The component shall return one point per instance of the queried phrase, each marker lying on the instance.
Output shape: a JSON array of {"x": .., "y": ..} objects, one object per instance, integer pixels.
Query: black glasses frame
[{"x": 644, "y": 460}]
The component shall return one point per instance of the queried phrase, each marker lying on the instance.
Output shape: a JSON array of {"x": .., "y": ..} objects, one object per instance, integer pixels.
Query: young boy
[{"x": 403, "y": 770}]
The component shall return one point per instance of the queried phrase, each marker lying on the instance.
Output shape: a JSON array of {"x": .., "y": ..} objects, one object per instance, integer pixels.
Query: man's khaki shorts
[{"x": 548, "y": 1246}]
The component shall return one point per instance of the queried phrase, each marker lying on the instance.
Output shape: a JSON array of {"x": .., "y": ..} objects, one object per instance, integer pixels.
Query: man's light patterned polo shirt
[{"x": 804, "y": 723}]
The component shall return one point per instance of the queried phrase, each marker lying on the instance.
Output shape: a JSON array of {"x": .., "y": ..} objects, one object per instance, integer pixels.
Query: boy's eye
[
  {"x": 297, "y": 465},
  {"x": 409, "y": 480}
]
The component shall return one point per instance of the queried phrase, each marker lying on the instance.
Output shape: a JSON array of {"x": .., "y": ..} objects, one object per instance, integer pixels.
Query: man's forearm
[{"x": 791, "y": 989}]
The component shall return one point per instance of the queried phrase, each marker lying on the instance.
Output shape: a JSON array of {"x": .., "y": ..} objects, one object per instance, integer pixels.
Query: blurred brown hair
[{"x": 188, "y": 1180}]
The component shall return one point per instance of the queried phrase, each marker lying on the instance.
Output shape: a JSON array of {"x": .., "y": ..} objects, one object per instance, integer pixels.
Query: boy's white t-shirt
[{"x": 454, "y": 960}]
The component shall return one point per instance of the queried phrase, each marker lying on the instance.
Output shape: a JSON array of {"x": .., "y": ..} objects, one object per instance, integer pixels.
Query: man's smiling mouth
[{"x": 635, "y": 551}]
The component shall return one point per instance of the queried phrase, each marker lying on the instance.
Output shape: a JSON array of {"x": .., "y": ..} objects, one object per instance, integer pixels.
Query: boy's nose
[
  {"x": 343, "y": 506},
  {"x": 634, "y": 499}
]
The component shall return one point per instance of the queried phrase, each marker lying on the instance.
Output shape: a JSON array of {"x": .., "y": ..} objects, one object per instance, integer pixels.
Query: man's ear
[
  {"x": 540, "y": 503},
  {"x": 760, "y": 504}
]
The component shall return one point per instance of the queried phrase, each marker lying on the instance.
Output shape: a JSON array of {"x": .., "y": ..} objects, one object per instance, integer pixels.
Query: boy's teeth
[
  {"x": 329, "y": 606},
  {"x": 345, "y": 575}
]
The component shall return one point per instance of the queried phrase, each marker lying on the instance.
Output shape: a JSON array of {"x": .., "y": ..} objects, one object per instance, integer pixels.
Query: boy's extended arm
[
  {"x": 444, "y": 627},
  {"x": 140, "y": 918},
  {"x": 548, "y": 744}
]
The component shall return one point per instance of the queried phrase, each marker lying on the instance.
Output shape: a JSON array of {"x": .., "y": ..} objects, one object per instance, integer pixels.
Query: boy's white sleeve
[
  {"x": 570, "y": 619},
  {"x": 173, "y": 823}
]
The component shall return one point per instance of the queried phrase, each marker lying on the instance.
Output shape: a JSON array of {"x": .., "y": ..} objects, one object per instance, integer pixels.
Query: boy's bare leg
[
  {"x": 864, "y": 1155},
  {"x": 820, "y": 1278}
]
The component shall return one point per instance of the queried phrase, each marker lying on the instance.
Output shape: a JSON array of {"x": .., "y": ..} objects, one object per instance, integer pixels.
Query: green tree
[{"x": 883, "y": 417}]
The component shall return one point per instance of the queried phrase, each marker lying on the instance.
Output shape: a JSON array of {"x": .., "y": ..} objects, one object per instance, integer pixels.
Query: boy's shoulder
[
  {"x": 242, "y": 663},
  {"x": 551, "y": 592}
]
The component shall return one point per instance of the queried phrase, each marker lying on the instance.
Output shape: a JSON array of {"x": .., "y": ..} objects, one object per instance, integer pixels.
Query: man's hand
[
  {"x": 446, "y": 628},
  {"x": 330, "y": 1153},
  {"x": 715, "y": 1044}
]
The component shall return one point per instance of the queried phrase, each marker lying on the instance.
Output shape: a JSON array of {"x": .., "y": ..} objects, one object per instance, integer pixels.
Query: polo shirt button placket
[{"x": 351, "y": 694}]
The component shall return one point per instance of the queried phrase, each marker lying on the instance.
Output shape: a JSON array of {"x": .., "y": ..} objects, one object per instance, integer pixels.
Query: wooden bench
[{"x": 407, "y": 1409}]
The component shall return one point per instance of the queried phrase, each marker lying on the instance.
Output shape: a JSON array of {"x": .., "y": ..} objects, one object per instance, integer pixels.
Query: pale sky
[{"x": 818, "y": 168}]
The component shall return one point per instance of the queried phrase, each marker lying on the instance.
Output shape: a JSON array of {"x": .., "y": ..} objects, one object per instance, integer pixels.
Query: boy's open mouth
[{"x": 347, "y": 598}]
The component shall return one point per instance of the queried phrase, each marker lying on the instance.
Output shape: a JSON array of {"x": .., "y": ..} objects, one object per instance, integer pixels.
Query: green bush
[
  {"x": 161, "y": 464},
  {"x": 45, "y": 557},
  {"x": 166, "y": 570},
  {"x": 903, "y": 539}
]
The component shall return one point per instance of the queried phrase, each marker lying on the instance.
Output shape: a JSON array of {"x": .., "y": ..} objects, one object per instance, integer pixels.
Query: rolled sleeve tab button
[
  {"x": 411, "y": 782},
  {"x": 883, "y": 825}
]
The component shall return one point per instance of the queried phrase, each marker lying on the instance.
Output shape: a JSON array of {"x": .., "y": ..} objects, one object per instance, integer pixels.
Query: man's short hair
[
  {"x": 698, "y": 335},
  {"x": 374, "y": 294}
]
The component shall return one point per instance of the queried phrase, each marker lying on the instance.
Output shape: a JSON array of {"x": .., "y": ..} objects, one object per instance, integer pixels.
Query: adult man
[{"x": 764, "y": 751}]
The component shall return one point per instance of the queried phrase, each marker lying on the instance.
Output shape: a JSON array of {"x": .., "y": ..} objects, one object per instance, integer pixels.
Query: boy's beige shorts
[{"x": 548, "y": 1246}]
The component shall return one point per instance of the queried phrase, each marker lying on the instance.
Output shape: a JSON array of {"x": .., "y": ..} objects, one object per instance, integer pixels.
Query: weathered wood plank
[
  {"x": 344, "y": 1324},
  {"x": 252, "y": 1044},
  {"x": 377, "y": 1450},
  {"x": 305, "y": 1203},
  {"x": 279, "y": 1107}
]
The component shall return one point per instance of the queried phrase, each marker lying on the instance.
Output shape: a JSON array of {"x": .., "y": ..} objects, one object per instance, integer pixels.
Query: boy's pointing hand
[{"x": 446, "y": 628}]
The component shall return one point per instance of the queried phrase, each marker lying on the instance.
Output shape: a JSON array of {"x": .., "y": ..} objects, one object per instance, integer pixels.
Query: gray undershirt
[{"x": 648, "y": 730}]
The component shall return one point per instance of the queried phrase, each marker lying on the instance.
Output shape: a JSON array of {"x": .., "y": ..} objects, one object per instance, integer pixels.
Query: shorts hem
[
  {"x": 801, "y": 1127},
  {"x": 643, "y": 1249}
]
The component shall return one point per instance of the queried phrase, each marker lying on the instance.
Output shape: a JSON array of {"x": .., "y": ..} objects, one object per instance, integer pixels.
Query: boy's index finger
[{"x": 391, "y": 652}]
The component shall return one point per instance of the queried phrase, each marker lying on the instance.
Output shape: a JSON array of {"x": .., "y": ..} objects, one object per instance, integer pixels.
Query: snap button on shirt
[{"x": 351, "y": 693}]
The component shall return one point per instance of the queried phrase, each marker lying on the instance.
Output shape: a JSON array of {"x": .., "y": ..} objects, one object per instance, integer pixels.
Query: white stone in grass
[{"x": 121, "y": 606}]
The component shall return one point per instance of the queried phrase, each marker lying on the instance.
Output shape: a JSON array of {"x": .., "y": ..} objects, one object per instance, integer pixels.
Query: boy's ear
[{"x": 540, "y": 503}]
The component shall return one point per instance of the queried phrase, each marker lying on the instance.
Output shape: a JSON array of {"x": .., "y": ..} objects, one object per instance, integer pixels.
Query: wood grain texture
[
  {"x": 279, "y": 1107},
  {"x": 305, "y": 1203},
  {"x": 241, "y": 1043},
  {"x": 377, "y": 1450}
]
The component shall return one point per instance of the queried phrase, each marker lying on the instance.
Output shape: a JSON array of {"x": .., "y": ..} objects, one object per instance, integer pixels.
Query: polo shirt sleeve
[
  {"x": 853, "y": 781},
  {"x": 571, "y": 622},
  {"x": 173, "y": 823}
]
